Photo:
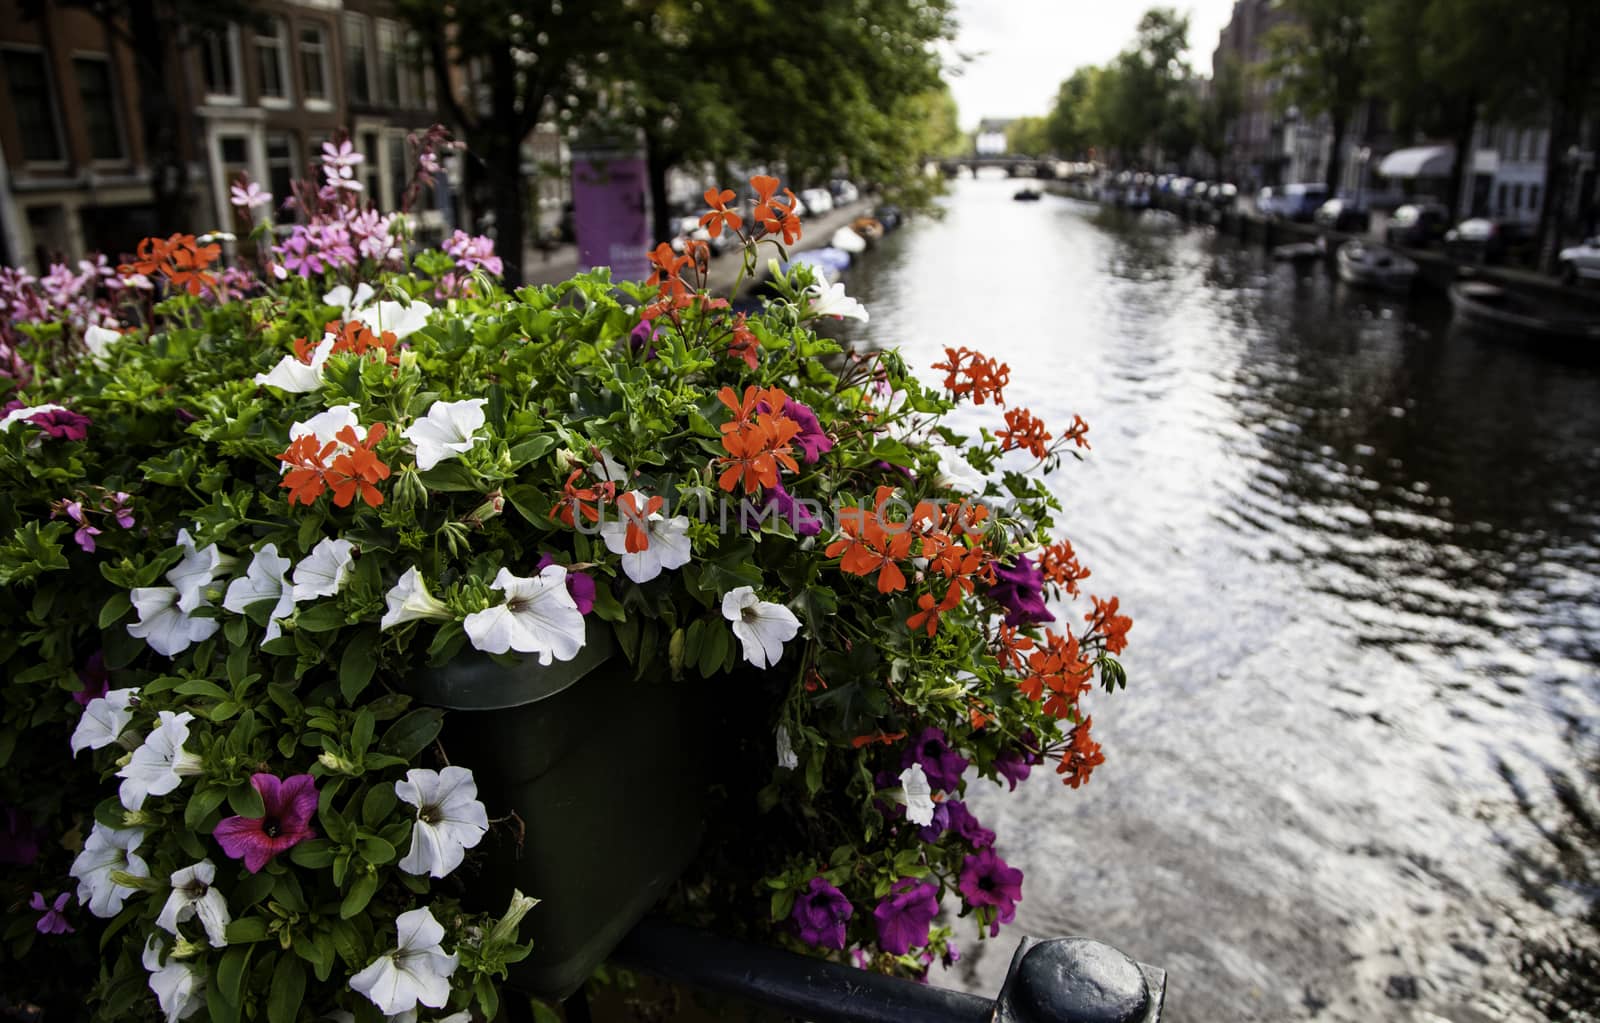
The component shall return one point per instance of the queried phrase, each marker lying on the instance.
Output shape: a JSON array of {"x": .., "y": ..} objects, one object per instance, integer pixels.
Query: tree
[
  {"x": 522, "y": 61},
  {"x": 1028, "y": 136},
  {"x": 1068, "y": 124},
  {"x": 1322, "y": 55},
  {"x": 1217, "y": 110}
]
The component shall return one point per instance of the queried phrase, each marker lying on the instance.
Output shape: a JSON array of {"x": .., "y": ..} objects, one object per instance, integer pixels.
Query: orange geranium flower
[
  {"x": 179, "y": 258},
  {"x": 972, "y": 374},
  {"x": 744, "y": 344},
  {"x": 348, "y": 465},
  {"x": 774, "y": 215},
  {"x": 1077, "y": 432},
  {"x": 1024, "y": 431},
  {"x": 720, "y": 216},
  {"x": 576, "y": 501},
  {"x": 757, "y": 438},
  {"x": 1081, "y": 756},
  {"x": 637, "y": 537},
  {"x": 1110, "y": 626},
  {"x": 1060, "y": 565},
  {"x": 357, "y": 337},
  {"x": 928, "y": 617}
]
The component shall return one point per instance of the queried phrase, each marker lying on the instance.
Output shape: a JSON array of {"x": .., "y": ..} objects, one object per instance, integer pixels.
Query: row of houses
[
  {"x": 1271, "y": 144},
  {"x": 259, "y": 96}
]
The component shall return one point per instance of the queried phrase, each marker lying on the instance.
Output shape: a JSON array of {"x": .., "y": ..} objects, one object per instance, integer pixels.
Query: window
[
  {"x": 1533, "y": 197},
  {"x": 99, "y": 107},
  {"x": 233, "y": 156},
  {"x": 1500, "y": 200},
  {"x": 1516, "y": 196},
  {"x": 314, "y": 63},
  {"x": 389, "y": 63},
  {"x": 422, "y": 94},
  {"x": 357, "y": 61},
  {"x": 272, "y": 63},
  {"x": 29, "y": 80},
  {"x": 367, "y": 170},
  {"x": 399, "y": 170},
  {"x": 219, "y": 64},
  {"x": 280, "y": 167}
]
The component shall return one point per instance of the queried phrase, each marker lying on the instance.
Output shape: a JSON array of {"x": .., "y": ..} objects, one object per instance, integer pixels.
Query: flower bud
[
  {"x": 492, "y": 505},
  {"x": 505, "y": 929},
  {"x": 186, "y": 949},
  {"x": 333, "y": 762},
  {"x": 137, "y": 819}
]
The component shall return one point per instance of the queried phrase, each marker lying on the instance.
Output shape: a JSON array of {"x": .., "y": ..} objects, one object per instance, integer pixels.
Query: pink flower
[
  {"x": 249, "y": 195},
  {"x": 53, "y": 922},
  {"x": 290, "y": 804},
  {"x": 342, "y": 155}
]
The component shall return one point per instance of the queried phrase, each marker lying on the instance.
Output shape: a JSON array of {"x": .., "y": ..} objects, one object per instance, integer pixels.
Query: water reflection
[{"x": 1356, "y": 776}]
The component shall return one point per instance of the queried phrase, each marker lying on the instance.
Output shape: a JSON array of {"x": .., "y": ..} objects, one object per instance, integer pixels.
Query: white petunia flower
[
  {"x": 830, "y": 300},
  {"x": 410, "y": 601},
  {"x": 99, "y": 340},
  {"x": 786, "y": 755},
  {"x": 197, "y": 571},
  {"x": 667, "y": 541},
  {"x": 324, "y": 570},
  {"x": 450, "y": 819},
  {"x": 917, "y": 794},
  {"x": 193, "y": 895},
  {"x": 342, "y": 298},
  {"x": 418, "y": 971},
  {"x": 179, "y": 987},
  {"x": 296, "y": 377},
  {"x": 606, "y": 468},
  {"x": 447, "y": 430},
  {"x": 265, "y": 579},
  {"x": 539, "y": 617},
  {"x": 20, "y": 414},
  {"x": 763, "y": 627},
  {"x": 103, "y": 720},
  {"x": 106, "y": 850},
  {"x": 400, "y": 320},
  {"x": 163, "y": 624},
  {"x": 161, "y": 763},
  {"x": 325, "y": 426}
]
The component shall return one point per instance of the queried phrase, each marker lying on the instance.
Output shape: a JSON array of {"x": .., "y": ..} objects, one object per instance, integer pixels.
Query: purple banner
[{"x": 611, "y": 214}]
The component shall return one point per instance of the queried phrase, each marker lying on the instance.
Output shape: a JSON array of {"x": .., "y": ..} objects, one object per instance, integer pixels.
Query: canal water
[{"x": 1356, "y": 771}]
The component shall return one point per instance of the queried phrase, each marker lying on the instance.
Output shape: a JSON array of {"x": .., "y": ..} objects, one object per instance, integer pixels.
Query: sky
[{"x": 1022, "y": 49}]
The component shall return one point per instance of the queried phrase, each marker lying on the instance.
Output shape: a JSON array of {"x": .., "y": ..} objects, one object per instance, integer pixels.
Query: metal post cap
[{"x": 1072, "y": 980}]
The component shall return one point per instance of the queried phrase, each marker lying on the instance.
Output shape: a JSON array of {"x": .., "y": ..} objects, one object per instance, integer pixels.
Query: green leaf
[
  {"x": 201, "y": 687},
  {"x": 529, "y": 501},
  {"x": 288, "y": 988},
  {"x": 357, "y": 664},
  {"x": 323, "y": 617},
  {"x": 714, "y": 647},
  {"x": 315, "y": 854},
  {"x": 361, "y": 892},
  {"x": 230, "y": 973},
  {"x": 376, "y": 851},
  {"x": 245, "y": 801},
  {"x": 114, "y": 609},
  {"x": 380, "y": 799},
  {"x": 451, "y": 476},
  {"x": 245, "y": 930},
  {"x": 412, "y": 733},
  {"x": 201, "y": 804},
  {"x": 531, "y": 450}
]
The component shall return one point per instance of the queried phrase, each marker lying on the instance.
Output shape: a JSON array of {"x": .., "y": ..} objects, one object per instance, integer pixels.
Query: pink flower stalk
[
  {"x": 53, "y": 921},
  {"x": 120, "y": 509},
  {"x": 248, "y": 195},
  {"x": 86, "y": 533},
  {"x": 290, "y": 804},
  {"x": 473, "y": 251}
]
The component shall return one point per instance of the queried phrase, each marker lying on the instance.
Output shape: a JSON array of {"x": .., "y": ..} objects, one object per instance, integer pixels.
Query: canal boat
[
  {"x": 1375, "y": 266},
  {"x": 1496, "y": 309},
  {"x": 1028, "y": 195},
  {"x": 1299, "y": 252}
]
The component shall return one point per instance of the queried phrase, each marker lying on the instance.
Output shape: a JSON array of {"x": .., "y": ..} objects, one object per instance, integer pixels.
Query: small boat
[
  {"x": 1375, "y": 266},
  {"x": 849, "y": 241},
  {"x": 1480, "y": 304},
  {"x": 1299, "y": 252},
  {"x": 1028, "y": 195},
  {"x": 1162, "y": 219},
  {"x": 869, "y": 228}
]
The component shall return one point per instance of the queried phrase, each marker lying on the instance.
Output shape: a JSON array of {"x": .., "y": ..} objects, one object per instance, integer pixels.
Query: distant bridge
[{"x": 1015, "y": 166}]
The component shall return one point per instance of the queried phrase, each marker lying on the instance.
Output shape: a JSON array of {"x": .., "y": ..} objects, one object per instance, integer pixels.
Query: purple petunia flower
[
  {"x": 812, "y": 440},
  {"x": 95, "y": 678},
  {"x": 580, "y": 585},
  {"x": 53, "y": 921},
  {"x": 905, "y": 914},
  {"x": 62, "y": 424},
  {"x": 931, "y": 831},
  {"x": 290, "y": 804},
  {"x": 942, "y": 764},
  {"x": 820, "y": 913},
  {"x": 987, "y": 880},
  {"x": 966, "y": 826},
  {"x": 791, "y": 511},
  {"x": 1013, "y": 767},
  {"x": 1019, "y": 589},
  {"x": 641, "y": 338}
]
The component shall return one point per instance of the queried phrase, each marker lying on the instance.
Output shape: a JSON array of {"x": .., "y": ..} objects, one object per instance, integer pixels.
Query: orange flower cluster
[
  {"x": 744, "y": 345},
  {"x": 720, "y": 216},
  {"x": 775, "y": 216},
  {"x": 757, "y": 442},
  {"x": 971, "y": 374},
  {"x": 1110, "y": 626},
  {"x": 577, "y": 500},
  {"x": 1077, "y": 432},
  {"x": 179, "y": 258},
  {"x": 1060, "y": 565},
  {"x": 356, "y": 337},
  {"x": 674, "y": 291},
  {"x": 1024, "y": 430},
  {"x": 1081, "y": 756},
  {"x": 347, "y": 465},
  {"x": 1060, "y": 669},
  {"x": 887, "y": 738}
]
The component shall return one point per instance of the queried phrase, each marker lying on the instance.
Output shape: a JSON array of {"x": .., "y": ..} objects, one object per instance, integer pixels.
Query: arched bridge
[{"x": 1015, "y": 166}]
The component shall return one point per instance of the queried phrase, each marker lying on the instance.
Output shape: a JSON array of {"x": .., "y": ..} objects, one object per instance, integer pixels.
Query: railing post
[{"x": 1078, "y": 980}]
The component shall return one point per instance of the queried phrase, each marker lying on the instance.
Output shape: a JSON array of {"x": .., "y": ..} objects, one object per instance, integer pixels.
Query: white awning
[
  {"x": 1418, "y": 162},
  {"x": 1486, "y": 161}
]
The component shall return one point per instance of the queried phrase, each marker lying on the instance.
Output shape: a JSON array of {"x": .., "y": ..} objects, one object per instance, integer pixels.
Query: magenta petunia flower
[
  {"x": 1019, "y": 589},
  {"x": 53, "y": 921},
  {"x": 95, "y": 678},
  {"x": 965, "y": 825},
  {"x": 812, "y": 440},
  {"x": 820, "y": 913},
  {"x": 62, "y": 424},
  {"x": 290, "y": 804},
  {"x": 987, "y": 880},
  {"x": 905, "y": 914},
  {"x": 942, "y": 764}
]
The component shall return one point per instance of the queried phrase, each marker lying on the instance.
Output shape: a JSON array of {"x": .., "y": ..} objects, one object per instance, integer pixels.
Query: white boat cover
[{"x": 1418, "y": 162}]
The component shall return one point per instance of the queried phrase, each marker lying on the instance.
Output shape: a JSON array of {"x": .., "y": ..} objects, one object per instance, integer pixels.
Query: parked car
[
  {"x": 844, "y": 192},
  {"x": 1300, "y": 201},
  {"x": 817, "y": 201},
  {"x": 1342, "y": 214},
  {"x": 1489, "y": 241},
  {"x": 1267, "y": 202},
  {"x": 1417, "y": 223},
  {"x": 1222, "y": 196},
  {"x": 1581, "y": 261}
]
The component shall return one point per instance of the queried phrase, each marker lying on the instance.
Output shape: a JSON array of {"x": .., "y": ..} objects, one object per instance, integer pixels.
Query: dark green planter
[{"x": 608, "y": 777}]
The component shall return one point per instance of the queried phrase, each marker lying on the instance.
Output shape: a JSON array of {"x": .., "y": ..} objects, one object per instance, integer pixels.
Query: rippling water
[{"x": 1356, "y": 773}]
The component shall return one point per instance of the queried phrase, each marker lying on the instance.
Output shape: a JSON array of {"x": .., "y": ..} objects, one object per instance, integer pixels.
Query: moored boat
[
  {"x": 1489, "y": 306},
  {"x": 1299, "y": 252},
  {"x": 1375, "y": 266}
]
